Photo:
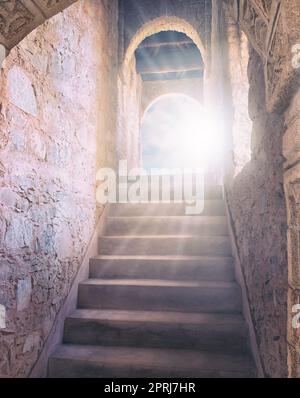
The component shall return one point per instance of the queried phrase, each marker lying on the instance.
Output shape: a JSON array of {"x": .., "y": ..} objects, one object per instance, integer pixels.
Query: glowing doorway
[{"x": 177, "y": 132}]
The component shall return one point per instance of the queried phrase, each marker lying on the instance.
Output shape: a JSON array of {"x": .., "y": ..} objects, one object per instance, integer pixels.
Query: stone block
[
  {"x": 21, "y": 91},
  {"x": 292, "y": 192},
  {"x": 38, "y": 146},
  {"x": 294, "y": 109},
  {"x": 63, "y": 241},
  {"x": 14, "y": 236},
  {"x": 46, "y": 240},
  {"x": 32, "y": 342},
  {"x": 18, "y": 140},
  {"x": 40, "y": 61},
  {"x": 24, "y": 290},
  {"x": 291, "y": 140},
  {"x": 19, "y": 233},
  {"x": 15, "y": 119},
  {"x": 8, "y": 197}
]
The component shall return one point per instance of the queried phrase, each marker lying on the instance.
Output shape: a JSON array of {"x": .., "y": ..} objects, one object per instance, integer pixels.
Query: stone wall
[
  {"x": 57, "y": 126},
  {"x": 291, "y": 150},
  {"x": 256, "y": 201},
  {"x": 272, "y": 28}
]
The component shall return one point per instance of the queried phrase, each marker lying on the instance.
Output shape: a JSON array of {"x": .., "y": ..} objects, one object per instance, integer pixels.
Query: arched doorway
[
  {"x": 162, "y": 24},
  {"x": 136, "y": 75}
]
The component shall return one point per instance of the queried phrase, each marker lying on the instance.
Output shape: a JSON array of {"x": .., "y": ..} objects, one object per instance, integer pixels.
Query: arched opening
[
  {"x": 163, "y": 24},
  {"x": 169, "y": 62},
  {"x": 165, "y": 56},
  {"x": 177, "y": 132}
]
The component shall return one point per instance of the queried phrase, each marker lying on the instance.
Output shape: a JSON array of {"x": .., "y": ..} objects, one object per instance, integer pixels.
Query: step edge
[
  {"x": 60, "y": 352},
  {"x": 162, "y": 319},
  {"x": 163, "y": 283},
  {"x": 153, "y": 237},
  {"x": 165, "y": 258}
]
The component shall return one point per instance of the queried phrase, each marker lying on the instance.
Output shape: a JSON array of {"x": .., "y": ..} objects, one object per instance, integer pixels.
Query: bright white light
[{"x": 178, "y": 132}]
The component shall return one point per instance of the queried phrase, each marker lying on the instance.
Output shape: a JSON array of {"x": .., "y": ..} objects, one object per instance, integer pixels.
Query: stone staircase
[{"x": 161, "y": 300}]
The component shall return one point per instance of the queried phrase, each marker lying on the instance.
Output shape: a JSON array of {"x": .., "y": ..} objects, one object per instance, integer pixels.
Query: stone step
[
  {"x": 163, "y": 267},
  {"x": 165, "y": 245},
  {"x": 210, "y": 332},
  {"x": 159, "y": 295},
  {"x": 211, "y": 208},
  {"x": 210, "y": 191},
  {"x": 71, "y": 361},
  {"x": 209, "y": 226}
]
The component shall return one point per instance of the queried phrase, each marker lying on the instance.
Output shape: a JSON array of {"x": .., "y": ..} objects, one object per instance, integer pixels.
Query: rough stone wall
[
  {"x": 291, "y": 150},
  {"x": 272, "y": 27},
  {"x": 57, "y": 125},
  {"x": 256, "y": 201},
  {"x": 151, "y": 90}
]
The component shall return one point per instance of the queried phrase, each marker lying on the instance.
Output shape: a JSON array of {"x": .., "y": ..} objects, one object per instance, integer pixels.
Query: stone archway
[
  {"x": 159, "y": 25},
  {"x": 19, "y": 18},
  {"x": 130, "y": 84}
]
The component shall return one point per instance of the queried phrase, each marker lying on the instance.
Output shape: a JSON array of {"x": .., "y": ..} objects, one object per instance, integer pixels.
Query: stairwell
[{"x": 161, "y": 300}]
